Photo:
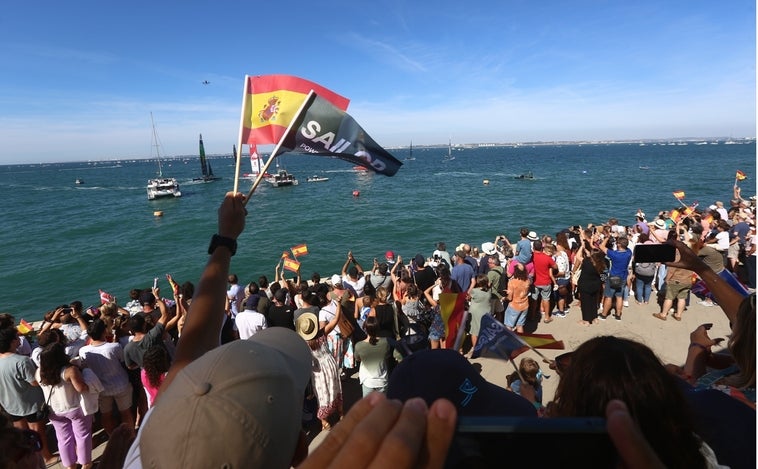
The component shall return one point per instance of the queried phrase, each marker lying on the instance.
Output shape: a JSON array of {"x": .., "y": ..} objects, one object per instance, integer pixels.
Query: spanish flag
[
  {"x": 740, "y": 176},
  {"x": 675, "y": 215},
  {"x": 291, "y": 264},
  {"x": 678, "y": 194},
  {"x": 544, "y": 341},
  {"x": 24, "y": 327},
  {"x": 271, "y": 102},
  {"x": 299, "y": 250},
  {"x": 452, "y": 306}
]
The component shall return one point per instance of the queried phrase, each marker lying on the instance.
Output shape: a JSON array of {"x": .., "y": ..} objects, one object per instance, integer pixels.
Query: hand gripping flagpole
[{"x": 278, "y": 145}]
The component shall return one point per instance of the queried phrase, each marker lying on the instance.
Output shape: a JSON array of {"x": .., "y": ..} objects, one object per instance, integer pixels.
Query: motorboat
[
  {"x": 160, "y": 186},
  {"x": 316, "y": 178},
  {"x": 282, "y": 178},
  {"x": 526, "y": 175}
]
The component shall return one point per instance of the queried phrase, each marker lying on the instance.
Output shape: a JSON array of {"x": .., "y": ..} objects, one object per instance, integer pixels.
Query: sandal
[
  {"x": 659, "y": 316},
  {"x": 678, "y": 318},
  {"x": 548, "y": 320}
]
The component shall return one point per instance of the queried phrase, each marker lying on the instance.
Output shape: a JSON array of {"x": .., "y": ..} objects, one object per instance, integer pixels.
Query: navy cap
[{"x": 445, "y": 373}]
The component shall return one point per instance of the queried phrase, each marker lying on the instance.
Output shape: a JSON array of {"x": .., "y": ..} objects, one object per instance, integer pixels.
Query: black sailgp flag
[{"x": 322, "y": 129}]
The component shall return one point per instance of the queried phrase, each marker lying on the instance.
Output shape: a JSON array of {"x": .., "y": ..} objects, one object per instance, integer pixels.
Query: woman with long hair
[
  {"x": 62, "y": 384},
  {"x": 518, "y": 299},
  {"x": 592, "y": 265},
  {"x": 155, "y": 365},
  {"x": 607, "y": 368},
  {"x": 444, "y": 284},
  {"x": 373, "y": 353},
  {"x": 479, "y": 304}
]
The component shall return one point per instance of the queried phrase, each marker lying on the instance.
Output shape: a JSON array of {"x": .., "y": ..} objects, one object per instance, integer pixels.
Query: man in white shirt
[
  {"x": 235, "y": 294},
  {"x": 250, "y": 321}
]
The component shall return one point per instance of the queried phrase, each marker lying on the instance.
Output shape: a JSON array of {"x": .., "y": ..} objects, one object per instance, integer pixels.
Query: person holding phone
[{"x": 613, "y": 294}]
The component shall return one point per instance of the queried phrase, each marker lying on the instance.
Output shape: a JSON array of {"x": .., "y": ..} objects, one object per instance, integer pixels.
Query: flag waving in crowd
[
  {"x": 271, "y": 102},
  {"x": 299, "y": 250},
  {"x": 740, "y": 176},
  {"x": 291, "y": 264},
  {"x": 323, "y": 129},
  {"x": 678, "y": 194}
]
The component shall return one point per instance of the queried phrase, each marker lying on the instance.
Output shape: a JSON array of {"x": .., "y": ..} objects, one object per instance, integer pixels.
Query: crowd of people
[{"x": 159, "y": 363}]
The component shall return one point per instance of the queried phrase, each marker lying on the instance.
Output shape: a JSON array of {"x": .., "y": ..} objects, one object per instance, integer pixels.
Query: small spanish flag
[
  {"x": 24, "y": 327},
  {"x": 740, "y": 175},
  {"x": 299, "y": 250},
  {"x": 688, "y": 211},
  {"x": 285, "y": 255},
  {"x": 678, "y": 194},
  {"x": 709, "y": 219},
  {"x": 675, "y": 215},
  {"x": 545, "y": 341},
  {"x": 291, "y": 264}
]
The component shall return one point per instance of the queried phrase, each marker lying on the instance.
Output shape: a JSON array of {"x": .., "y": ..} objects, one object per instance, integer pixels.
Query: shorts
[
  {"x": 514, "y": 318},
  {"x": 734, "y": 251},
  {"x": 31, "y": 418},
  {"x": 542, "y": 291},
  {"x": 123, "y": 400},
  {"x": 677, "y": 291},
  {"x": 609, "y": 292}
]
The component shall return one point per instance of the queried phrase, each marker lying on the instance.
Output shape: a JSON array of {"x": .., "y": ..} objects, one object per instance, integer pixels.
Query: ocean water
[{"x": 62, "y": 242}]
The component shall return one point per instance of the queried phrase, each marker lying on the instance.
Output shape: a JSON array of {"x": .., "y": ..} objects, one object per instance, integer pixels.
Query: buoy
[
  {"x": 158, "y": 213},
  {"x": 356, "y": 193},
  {"x": 486, "y": 182}
]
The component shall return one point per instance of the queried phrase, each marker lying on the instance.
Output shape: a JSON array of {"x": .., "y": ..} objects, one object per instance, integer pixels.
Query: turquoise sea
[{"x": 62, "y": 242}]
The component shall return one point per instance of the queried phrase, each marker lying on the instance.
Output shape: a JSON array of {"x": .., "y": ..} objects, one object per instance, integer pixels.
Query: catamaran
[
  {"x": 160, "y": 186},
  {"x": 205, "y": 165}
]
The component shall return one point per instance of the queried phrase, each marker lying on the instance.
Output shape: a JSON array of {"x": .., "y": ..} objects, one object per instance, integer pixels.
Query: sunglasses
[{"x": 563, "y": 362}]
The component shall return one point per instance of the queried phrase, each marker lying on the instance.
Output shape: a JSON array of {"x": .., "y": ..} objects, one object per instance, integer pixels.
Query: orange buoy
[
  {"x": 158, "y": 213},
  {"x": 356, "y": 193}
]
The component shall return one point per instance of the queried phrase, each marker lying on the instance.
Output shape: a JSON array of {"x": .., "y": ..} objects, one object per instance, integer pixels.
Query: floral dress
[{"x": 325, "y": 377}]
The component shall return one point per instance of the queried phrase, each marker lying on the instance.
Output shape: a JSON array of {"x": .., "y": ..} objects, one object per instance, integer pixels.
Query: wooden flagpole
[
  {"x": 239, "y": 136},
  {"x": 276, "y": 149}
]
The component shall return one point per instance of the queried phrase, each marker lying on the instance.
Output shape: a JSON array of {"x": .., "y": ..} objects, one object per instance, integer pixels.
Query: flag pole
[
  {"x": 237, "y": 157},
  {"x": 278, "y": 145}
]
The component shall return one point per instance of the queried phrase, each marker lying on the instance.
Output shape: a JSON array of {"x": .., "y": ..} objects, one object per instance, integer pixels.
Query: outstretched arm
[{"x": 202, "y": 329}]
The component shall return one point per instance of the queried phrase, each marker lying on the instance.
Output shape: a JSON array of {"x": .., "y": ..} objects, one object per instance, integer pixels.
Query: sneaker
[
  {"x": 601, "y": 317},
  {"x": 626, "y": 303},
  {"x": 705, "y": 303},
  {"x": 559, "y": 314}
]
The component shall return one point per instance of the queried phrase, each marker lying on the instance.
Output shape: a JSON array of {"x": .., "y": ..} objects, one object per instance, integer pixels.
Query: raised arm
[
  {"x": 347, "y": 263},
  {"x": 202, "y": 329},
  {"x": 333, "y": 323}
]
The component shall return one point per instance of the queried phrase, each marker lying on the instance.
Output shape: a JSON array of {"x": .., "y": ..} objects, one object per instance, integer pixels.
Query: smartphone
[
  {"x": 654, "y": 253},
  {"x": 483, "y": 442},
  {"x": 155, "y": 283}
]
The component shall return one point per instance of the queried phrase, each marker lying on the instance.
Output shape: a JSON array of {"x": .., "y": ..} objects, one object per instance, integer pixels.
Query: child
[
  {"x": 366, "y": 302},
  {"x": 530, "y": 371}
]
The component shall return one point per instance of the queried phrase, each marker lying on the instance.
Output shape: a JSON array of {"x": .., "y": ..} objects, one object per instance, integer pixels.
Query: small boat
[
  {"x": 449, "y": 156},
  {"x": 160, "y": 186},
  {"x": 410, "y": 154},
  {"x": 316, "y": 178},
  {"x": 360, "y": 169},
  {"x": 255, "y": 164},
  {"x": 282, "y": 178},
  {"x": 644, "y": 167},
  {"x": 526, "y": 175},
  {"x": 79, "y": 182},
  {"x": 205, "y": 165}
]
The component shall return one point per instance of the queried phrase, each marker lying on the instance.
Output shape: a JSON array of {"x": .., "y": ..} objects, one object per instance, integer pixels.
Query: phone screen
[
  {"x": 531, "y": 442},
  {"x": 654, "y": 253}
]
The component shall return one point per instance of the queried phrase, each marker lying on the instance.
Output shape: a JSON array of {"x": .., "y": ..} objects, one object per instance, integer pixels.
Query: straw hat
[{"x": 307, "y": 325}]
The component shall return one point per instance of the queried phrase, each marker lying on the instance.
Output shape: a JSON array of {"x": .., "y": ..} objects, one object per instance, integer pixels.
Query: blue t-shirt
[
  {"x": 462, "y": 274},
  {"x": 524, "y": 251},
  {"x": 619, "y": 262}
]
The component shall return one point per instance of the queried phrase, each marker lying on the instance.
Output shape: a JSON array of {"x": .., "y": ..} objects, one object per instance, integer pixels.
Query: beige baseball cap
[{"x": 239, "y": 405}]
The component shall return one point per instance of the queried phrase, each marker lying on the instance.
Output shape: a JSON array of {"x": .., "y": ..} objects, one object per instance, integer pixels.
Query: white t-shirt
[
  {"x": 356, "y": 285},
  {"x": 722, "y": 241},
  {"x": 249, "y": 322}
]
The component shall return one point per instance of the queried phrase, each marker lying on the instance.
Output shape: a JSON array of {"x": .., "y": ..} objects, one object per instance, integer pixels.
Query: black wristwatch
[{"x": 218, "y": 240}]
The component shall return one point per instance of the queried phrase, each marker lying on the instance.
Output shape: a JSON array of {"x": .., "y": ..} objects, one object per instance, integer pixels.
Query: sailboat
[
  {"x": 449, "y": 156},
  {"x": 205, "y": 165},
  {"x": 160, "y": 186},
  {"x": 410, "y": 153},
  {"x": 255, "y": 164}
]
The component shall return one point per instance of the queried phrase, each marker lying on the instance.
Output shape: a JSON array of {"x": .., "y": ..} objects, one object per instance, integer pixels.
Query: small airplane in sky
[{"x": 206, "y": 82}]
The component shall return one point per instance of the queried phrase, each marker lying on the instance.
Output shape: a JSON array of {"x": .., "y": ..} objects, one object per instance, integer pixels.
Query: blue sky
[{"x": 79, "y": 79}]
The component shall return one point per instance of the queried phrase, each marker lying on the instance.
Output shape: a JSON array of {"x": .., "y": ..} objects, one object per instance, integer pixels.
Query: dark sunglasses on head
[{"x": 563, "y": 362}]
